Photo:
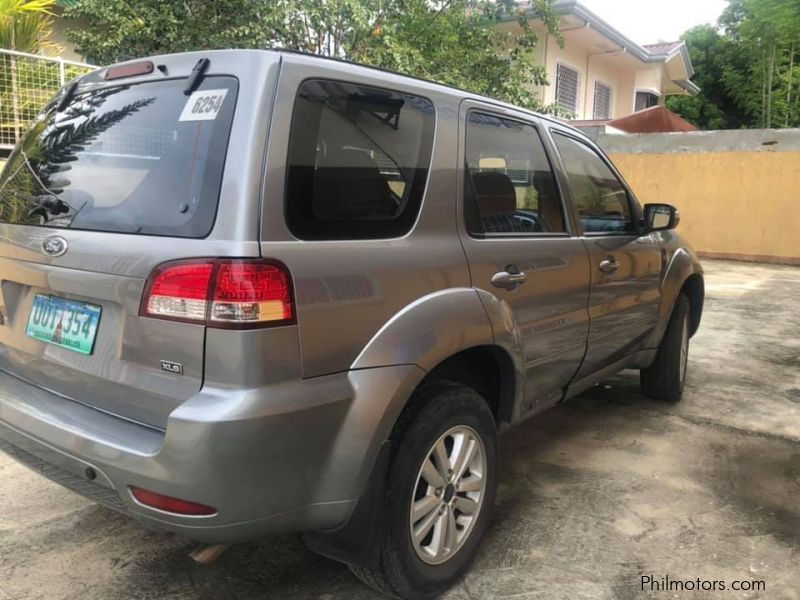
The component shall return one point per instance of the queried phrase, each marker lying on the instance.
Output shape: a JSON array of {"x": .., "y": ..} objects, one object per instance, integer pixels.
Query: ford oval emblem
[{"x": 54, "y": 246}]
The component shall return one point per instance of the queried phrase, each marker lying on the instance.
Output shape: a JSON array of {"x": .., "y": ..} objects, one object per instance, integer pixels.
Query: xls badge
[{"x": 172, "y": 367}]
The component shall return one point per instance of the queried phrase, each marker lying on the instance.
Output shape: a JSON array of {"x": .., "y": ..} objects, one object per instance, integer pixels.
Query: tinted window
[
  {"x": 129, "y": 159},
  {"x": 358, "y": 161},
  {"x": 601, "y": 199},
  {"x": 509, "y": 185}
]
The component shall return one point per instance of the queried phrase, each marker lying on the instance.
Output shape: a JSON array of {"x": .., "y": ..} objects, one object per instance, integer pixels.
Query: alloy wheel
[{"x": 448, "y": 495}]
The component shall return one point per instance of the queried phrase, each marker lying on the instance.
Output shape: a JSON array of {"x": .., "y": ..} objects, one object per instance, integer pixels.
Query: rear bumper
[{"x": 288, "y": 457}]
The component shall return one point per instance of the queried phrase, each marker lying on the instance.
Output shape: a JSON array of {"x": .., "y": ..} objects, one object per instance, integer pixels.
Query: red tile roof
[{"x": 661, "y": 47}]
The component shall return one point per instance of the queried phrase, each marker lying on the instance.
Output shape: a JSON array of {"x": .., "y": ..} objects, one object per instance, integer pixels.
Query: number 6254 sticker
[{"x": 203, "y": 105}]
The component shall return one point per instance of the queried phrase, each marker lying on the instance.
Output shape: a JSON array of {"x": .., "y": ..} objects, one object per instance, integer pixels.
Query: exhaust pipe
[{"x": 205, "y": 554}]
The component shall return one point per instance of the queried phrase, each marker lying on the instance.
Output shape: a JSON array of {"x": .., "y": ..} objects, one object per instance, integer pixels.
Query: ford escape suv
[{"x": 246, "y": 292}]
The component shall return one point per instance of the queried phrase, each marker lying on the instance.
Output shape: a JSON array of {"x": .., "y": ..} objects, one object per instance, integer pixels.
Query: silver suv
[{"x": 246, "y": 292}]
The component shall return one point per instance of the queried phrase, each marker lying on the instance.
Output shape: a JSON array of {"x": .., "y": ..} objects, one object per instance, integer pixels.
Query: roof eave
[
  {"x": 580, "y": 11},
  {"x": 690, "y": 87}
]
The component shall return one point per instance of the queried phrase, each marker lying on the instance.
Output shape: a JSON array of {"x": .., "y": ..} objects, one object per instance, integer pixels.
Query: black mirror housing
[{"x": 660, "y": 217}]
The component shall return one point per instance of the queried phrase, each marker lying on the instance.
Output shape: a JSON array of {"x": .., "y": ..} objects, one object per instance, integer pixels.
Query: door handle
[
  {"x": 509, "y": 279},
  {"x": 609, "y": 265}
]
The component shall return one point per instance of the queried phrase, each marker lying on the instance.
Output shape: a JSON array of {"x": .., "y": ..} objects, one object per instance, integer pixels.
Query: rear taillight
[{"x": 228, "y": 293}]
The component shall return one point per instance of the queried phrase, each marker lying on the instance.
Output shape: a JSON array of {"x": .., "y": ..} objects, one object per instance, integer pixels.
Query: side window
[
  {"x": 601, "y": 199},
  {"x": 358, "y": 161},
  {"x": 509, "y": 187}
]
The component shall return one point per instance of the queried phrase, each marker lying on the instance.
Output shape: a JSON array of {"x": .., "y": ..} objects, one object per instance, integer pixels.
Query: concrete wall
[{"x": 738, "y": 191}]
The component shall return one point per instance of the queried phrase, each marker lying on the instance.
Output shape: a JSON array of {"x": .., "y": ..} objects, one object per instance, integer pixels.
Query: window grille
[
  {"x": 567, "y": 88},
  {"x": 602, "y": 101}
]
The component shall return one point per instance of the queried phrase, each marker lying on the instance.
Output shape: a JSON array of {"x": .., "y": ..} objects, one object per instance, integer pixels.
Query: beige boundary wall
[{"x": 738, "y": 191}]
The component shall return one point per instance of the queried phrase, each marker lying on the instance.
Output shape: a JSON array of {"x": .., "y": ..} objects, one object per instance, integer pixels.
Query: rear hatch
[{"x": 107, "y": 184}]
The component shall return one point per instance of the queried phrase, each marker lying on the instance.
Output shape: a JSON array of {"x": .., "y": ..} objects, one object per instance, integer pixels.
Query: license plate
[{"x": 66, "y": 323}]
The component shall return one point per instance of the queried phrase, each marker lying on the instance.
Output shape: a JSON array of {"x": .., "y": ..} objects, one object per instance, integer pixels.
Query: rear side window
[
  {"x": 510, "y": 187},
  {"x": 141, "y": 158},
  {"x": 601, "y": 198},
  {"x": 358, "y": 161}
]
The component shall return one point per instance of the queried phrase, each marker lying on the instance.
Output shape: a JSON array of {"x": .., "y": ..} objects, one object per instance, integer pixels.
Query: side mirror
[{"x": 660, "y": 217}]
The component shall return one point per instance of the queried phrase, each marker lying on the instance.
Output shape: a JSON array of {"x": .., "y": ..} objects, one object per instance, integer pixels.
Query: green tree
[
  {"x": 747, "y": 68},
  {"x": 26, "y": 25},
  {"x": 713, "y": 55},
  {"x": 768, "y": 31},
  {"x": 453, "y": 41}
]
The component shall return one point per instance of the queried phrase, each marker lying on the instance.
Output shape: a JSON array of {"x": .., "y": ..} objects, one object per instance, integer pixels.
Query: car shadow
[{"x": 282, "y": 566}]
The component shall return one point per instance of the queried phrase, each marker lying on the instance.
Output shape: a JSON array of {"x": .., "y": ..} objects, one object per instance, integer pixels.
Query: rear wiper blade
[
  {"x": 66, "y": 97},
  {"x": 196, "y": 75}
]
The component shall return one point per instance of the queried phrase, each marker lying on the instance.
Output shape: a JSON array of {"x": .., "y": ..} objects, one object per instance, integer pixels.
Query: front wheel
[
  {"x": 665, "y": 378},
  {"x": 440, "y": 491}
]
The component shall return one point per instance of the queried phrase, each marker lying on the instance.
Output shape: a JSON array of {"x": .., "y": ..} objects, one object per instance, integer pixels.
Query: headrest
[
  {"x": 495, "y": 194},
  {"x": 350, "y": 186}
]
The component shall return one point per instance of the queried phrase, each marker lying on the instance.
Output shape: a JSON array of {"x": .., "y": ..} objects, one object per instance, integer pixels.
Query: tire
[
  {"x": 408, "y": 570},
  {"x": 665, "y": 378}
]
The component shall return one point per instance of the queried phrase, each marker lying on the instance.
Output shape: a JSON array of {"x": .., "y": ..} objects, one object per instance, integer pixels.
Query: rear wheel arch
[{"x": 487, "y": 369}]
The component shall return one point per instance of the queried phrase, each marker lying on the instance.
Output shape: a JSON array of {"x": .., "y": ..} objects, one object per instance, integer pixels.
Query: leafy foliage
[
  {"x": 714, "y": 56},
  {"x": 747, "y": 68},
  {"x": 26, "y": 25},
  {"x": 453, "y": 41}
]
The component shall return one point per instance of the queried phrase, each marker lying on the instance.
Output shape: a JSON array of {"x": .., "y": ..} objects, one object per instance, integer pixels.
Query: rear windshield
[{"x": 143, "y": 158}]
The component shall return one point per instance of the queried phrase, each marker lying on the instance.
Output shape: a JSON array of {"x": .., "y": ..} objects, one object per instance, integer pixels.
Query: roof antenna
[{"x": 196, "y": 75}]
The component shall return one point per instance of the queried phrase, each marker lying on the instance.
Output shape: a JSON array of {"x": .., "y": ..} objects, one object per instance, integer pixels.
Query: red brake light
[
  {"x": 232, "y": 293},
  {"x": 137, "y": 68},
  {"x": 169, "y": 504},
  {"x": 179, "y": 291},
  {"x": 251, "y": 292}
]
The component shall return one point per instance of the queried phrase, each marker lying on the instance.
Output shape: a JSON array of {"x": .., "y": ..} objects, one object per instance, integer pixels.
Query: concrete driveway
[{"x": 593, "y": 494}]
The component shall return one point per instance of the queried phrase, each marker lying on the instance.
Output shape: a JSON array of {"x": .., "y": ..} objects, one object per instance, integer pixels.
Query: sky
[{"x": 648, "y": 21}]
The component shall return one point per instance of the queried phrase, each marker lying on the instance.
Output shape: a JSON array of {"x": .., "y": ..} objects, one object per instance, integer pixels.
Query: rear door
[
  {"x": 518, "y": 242},
  {"x": 359, "y": 201},
  {"x": 625, "y": 264},
  {"x": 126, "y": 175}
]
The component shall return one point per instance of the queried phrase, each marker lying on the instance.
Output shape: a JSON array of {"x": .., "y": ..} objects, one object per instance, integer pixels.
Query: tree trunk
[
  {"x": 770, "y": 74},
  {"x": 789, "y": 82},
  {"x": 763, "y": 90}
]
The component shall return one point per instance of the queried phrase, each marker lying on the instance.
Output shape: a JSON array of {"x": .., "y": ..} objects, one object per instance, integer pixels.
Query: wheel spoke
[
  {"x": 437, "y": 545},
  {"x": 471, "y": 484},
  {"x": 452, "y": 532},
  {"x": 440, "y": 459},
  {"x": 423, "y": 507},
  {"x": 466, "y": 505},
  {"x": 431, "y": 475},
  {"x": 465, "y": 456},
  {"x": 421, "y": 530}
]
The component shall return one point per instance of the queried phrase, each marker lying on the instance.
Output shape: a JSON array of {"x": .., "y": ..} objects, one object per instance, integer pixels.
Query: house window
[
  {"x": 645, "y": 100},
  {"x": 602, "y": 101},
  {"x": 567, "y": 88}
]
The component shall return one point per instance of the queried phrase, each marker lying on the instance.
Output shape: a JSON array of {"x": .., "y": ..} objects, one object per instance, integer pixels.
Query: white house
[{"x": 600, "y": 73}]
